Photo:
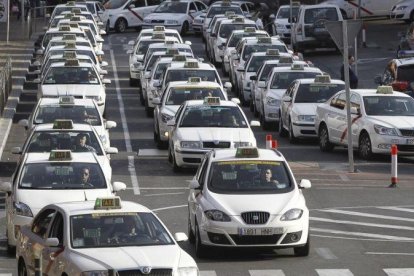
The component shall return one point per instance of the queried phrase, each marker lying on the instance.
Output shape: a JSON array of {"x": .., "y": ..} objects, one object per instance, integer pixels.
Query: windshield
[
  {"x": 257, "y": 61},
  {"x": 222, "y": 10},
  {"x": 71, "y": 75},
  {"x": 58, "y": 10},
  {"x": 266, "y": 70},
  {"x": 285, "y": 13},
  {"x": 42, "y": 141},
  {"x": 62, "y": 175},
  {"x": 114, "y": 4},
  {"x": 160, "y": 70},
  {"x": 235, "y": 38},
  {"x": 60, "y": 52},
  {"x": 249, "y": 49},
  {"x": 226, "y": 29},
  {"x": 281, "y": 80},
  {"x": 144, "y": 44},
  {"x": 389, "y": 106},
  {"x": 316, "y": 93},
  {"x": 115, "y": 229},
  {"x": 213, "y": 116},
  {"x": 172, "y": 7},
  {"x": 178, "y": 95},
  {"x": 184, "y": 74},
  {"x": 77, "y": 113},
  {"x": 49, "y": 36},
  {"x": 180, "y": 49},
  {"x": 170, "y": 34},
  {"x": 405, "y": 73},
  {"x": 249, "y": 176},
  {"x": 315, "y": 14}
]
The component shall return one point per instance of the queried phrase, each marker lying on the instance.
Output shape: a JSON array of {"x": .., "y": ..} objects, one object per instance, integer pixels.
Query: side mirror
[
  {"x": 103, "y": 72},
  {"x": 130, "y": 52},
  {"x": 101, "y": 24},
  {"x": 23, "y": 123},
  {"x": 110, "y": 124},
  {"x": 272, "y": 16},
  {"x": 287, "y": 99},
  {"x": 208, "y": 30},
  {"x": 228, "y": 85},
  {"x": 235, "y": 100},
  {"x": 111, "y": 150},
  {"x": 189, "y": 43},
  {"x": 106, "y": 81},
  {"x": 147, "y": 75},
  {"x": 354, "y": 110},
  {"x": 171, "y": 122},
  {"x": 99, "y": 53},
  {"x": 6, "y": 187},
  {"x": 261, "y": 84},
  {"x": 378, "y": 79},
  {"x": 305, "y": 184},
  {"x": 36, "y": 81},
  {"x": 47, "y": 15},
  {"x": 240, "y": 68},
  {"x": 131, "y": 42},
  {"x": 156, "y": 101},
  {"x": 180, "y": 237},
  {"x": 254, "y": 123},
  {"x": 52, "y": 242},
  {"x": 16, "y": 150},
  {"x": 253, "y": 78},
  {"x": 131, "y": 6},
  {"x": 118, "y": 186},
  {"x": 104, "y": 64},
  {"x": 194, "y": 185}
]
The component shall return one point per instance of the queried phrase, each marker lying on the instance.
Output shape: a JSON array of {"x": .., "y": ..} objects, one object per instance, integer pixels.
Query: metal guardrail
[
  {"x": 38, "y": 19},
  {"x": 5, "y": 83}
]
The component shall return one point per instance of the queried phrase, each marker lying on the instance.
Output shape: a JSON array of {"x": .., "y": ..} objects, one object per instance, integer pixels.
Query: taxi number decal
[
  {"x": 98, "y": 215},
  {"x": 244, "y": 162},
  {"x": 108, "y": 202}
]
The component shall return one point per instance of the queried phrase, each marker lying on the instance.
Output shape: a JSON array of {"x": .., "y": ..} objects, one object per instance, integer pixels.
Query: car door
[
  {"x": 52, "y": 263},
  {"x": 151, "y": 6},
  {"x": 336, "y": 118},
  {"x": 286, "y": 103},
  {"x": 195, "y": 196},
  {"x": 135, "y": 12},
  {"x": 104, "y": 16},
  {"x": 356, "y": 121}
]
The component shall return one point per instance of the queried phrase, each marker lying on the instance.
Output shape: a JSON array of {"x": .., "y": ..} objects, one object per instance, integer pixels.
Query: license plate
[
  {"x": 410, "y": 141},
  {"x": 260, "y": 231}
]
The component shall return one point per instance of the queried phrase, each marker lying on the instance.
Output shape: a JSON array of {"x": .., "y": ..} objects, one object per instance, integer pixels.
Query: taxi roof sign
[
  {"x": 72, "y": 62},
  {"x": 179, "y": 58},
  {"x": 74, "y": 25},
  {"x": 76, "y": 10},
  {"x": 238, "y": 20},
  {"x": 250, "y": 30},
  {"x": 296, "y": 66},
  {"x": 159, "y": 28},
  {"x": 62, "y": 123},
  {"x": 76, "y": 18},
  {"x": 105, "y": 203},
  {"x": 66, "y": 100},
  {"x": 170, "y": 42},
  {"x": 264, "y": 40},
  {"x": 272, "y": 52},
  {"x": 285, "y": 59},
  {"x": 69, "y": 55},
  {"x": 384, "y": 89},
  {"x": 212, "y": 100},
  {"x": 323, "y": 78},
  {"x": 172, "y": 52},
  {"x": 247, "y": 152},
  {"x": 64, "y": 28},
  {"x": 158, "y": 36},
  {"x": 67, "y": 37},
  {"x": 68, "y": 15},
  {"x": 191, "y": 64},
  {"x": 60, "y": 155},
  {"x": 194, "y": 79},
  {"x": 228, "y": 13}
]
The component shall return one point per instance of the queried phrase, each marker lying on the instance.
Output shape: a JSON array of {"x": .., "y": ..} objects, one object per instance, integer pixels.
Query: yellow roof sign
[
  {"x": 105, "y": 203},
  {"x": 60, "y": 155}
]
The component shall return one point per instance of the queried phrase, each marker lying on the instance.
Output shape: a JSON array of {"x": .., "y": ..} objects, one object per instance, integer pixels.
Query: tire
[
  {"x": 21, "y": 269},
  {"x": 365, "y": 146},
  {"x": 191, "y": 236},
  {"x": 302, "y": 251},
  {"x": 121, "y": 25},
  {"x": 201, "y": 250},
  {"x": 185, "y": 28},
  {"x": 133, "y": 82},
  {"x": 175, "y": 166},
  {"x": 282, "y": 130},
  {"x": 324, "y": 143},
  {"x": 292, "y": 138}
]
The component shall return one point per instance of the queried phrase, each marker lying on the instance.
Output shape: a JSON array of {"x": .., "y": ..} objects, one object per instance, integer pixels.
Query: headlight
[
  {"x": 171, "y": 22},
  {"x": 166, "y": 117},
  {"x": 147, "y": 20},
  {"x": 95, "y": 273},
  {"x": 242, "y": 144},
  {"x": 22, "y": 209},
  {"x": 187, "y": 271},
  {"x": 292, "y": 214},
  {"x": 382, "y": 130},
  {"x": 280, "y": 26},
  {"x": 217, "y": 215},
  {"x": 272, "y": 101},
  {"x": 306, "y": 118},
  {"x": 191, "y": 144},
  {"x": 400, "y": 8}
]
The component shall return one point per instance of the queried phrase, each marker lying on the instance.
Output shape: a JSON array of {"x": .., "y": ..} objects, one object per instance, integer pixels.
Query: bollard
[
  {"x": 268, "y": 141},
  {"x": 364, "y": 38},
  {"x": 37, "y": 267},
  {"x": 274, "y": 144},
  {"x": 394, "y": 164}
]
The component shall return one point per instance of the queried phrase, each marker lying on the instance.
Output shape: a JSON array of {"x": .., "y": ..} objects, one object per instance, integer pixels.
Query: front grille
[
  {"x": 157, "y": 21},
  {"x": 252, "y": 240},
  {"x": 308, "y": 132},
  {"x": 218, "y": 238},
  {"x": 154, "y": 272},
  {"x": 407, "y": 132},
  {"x": 219, "y": 145},
  {"x": 255, "y": 217},
  {"x": 405, "y": 147}
]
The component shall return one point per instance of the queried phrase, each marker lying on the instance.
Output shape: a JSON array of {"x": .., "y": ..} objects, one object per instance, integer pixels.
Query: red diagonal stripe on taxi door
[
  {"x": 136, "y": 14},
  {"x": 346, "y": 129},
  {"x": 362, "y": 8},
  {"x": 55, "y": 254}
]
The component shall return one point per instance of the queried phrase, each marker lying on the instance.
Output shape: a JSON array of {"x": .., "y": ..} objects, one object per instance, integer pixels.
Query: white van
[
  {"x": 123, "y": 14},
  {"x": 349, "y": 8}
]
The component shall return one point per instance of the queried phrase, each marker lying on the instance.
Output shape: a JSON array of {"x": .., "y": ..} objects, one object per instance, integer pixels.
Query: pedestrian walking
[{"x": 353, "y": 79}]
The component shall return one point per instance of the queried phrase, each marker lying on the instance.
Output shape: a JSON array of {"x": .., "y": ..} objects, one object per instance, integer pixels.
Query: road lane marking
[
  {"x": 390, "y": 253},
  {"x": 267, "y": 272},
  {"x": 397, "y": 209},
  {"x": 361, "y": 234},
  {"x": 334, "y": 272},
  {"x": 208, "y": 273},
  {"x": 326, "y": 253},
  {"x": 399, "y": 271},
  {"x": 400, "y": 227},
  {"x": 131, "y": 165},
  {"x": 352, "y": 213},
  {"x": 163, "y": 194},
  {"x": 169, "y": 207}
]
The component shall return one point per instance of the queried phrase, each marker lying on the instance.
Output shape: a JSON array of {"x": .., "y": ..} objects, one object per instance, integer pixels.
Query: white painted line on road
[
  {"x": 390, "y": 253},
  {"x": 267, "y": 272},
  {"x": 360, "y": 207},
  {"x": 131, "y": 165},
  {"x": 152, "y": 152},
  {"x": 361, "y": 234},
  {"x": 400, "y": 227},
  {"x": 354, "y": 239},
  {"x": 5, "y": 124},
  {"x": 161, "y": 188},
  {"x": 165, "y": 194},
  {"x": 169, "y": 207},
  {"x": 6, "y": 274},
  {"x": 334, "y": 272},
  {"x": 344, "y": 177},
  {"x": 360, "y": 214},
  {"x": 397, "y": 209},
  {"x": 325, "y": 253},
  {"x": 399, "y": 271},
  {"x": 208, "y": 273}
]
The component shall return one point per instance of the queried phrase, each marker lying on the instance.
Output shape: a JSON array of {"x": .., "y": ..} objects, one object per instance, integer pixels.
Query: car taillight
[{"x": 400, "y": 86}]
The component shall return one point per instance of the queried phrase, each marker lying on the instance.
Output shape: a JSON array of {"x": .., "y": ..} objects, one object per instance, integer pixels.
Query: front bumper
[
  {"x": 382, "y": 144},
  {"x": 271, "y": 113},
  {"x": 189, "y": 157},
  {"x": 304, "y": 130}
]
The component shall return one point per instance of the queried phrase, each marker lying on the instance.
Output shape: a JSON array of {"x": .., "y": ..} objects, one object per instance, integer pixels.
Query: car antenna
[{"x": 84, "y": 192}]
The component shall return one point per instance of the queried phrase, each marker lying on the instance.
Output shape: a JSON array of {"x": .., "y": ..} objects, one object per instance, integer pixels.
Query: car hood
[
  {"x": 404, "y": 3},
  {"x": 394, "y": 121},
  {"x": 305, "y": 108},
  {"x": 275, "y": 93},
  {"x": 234, "y": 205},
  {"x": 217, "y": 134},
  {"x": 88, "y": 90},
  {"x": 165, "y": 16}
]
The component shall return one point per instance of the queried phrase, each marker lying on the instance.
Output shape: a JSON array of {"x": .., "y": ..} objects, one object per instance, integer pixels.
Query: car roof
[
  {"x": 201, "y": 102},
  {"x": 78, "y": 157},
  {"x": 201, "y": 65},
  {"x": 255, "y": 40},
  {"x": 373, "y": 92},
  {"x": 76, "y": 127},
  {"x": 230, "y": 154},
  {"x": 62, "y": 64},
  {"x": 309, "y": 80},
  {"x": 55, "y": 101},
  {"x": 289, "y": 69},
  {"x": 202, "y": 84}
]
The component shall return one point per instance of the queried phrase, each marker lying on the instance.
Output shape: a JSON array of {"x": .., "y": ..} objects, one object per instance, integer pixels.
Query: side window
[
  {"x": 339, "y": 101},
  {"x": 139, "y": 3},
  {"x": 153, "y": 2},
  {"x": 200, "y": 6},
  {"x": 56, "y": 230},
  {"x": 203, "y": 171},
  {"x": 356, "y": 102},
  {"x": 41, "y": 222},
  {"x": 199, "y": 169},
  {"x": 244, "y": 8},
  {"x": 192, "y": 7}
]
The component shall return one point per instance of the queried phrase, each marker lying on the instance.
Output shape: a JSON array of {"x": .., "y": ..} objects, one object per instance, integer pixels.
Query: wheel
[
  {"x": 282, "y": 130},
  {"x": 292, "y": 138},
  {"x": 185, "y": 28},
  {"x": 191, "y": 236},
  {"x": 365, "y": 146},
  {"x": 201, "y": 250},
  {"x": 302, "y": 251},
  {"x": 22, "y": 270},
  {"x": 133, "y": 82},
  {"x": 121, "y": 25},
  {"x": 176, "y": 168},
  {"x": 324, "y": 143}
]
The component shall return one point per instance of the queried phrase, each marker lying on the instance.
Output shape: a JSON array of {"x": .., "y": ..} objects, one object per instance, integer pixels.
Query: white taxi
[
  {"x": 73, "y": 78},
  {"x": 175, "y": 14},
  {"x": 298, "y": 105},
  {"x": 60, "y": 8},
  {"x": 247, "y": 197},
  {"x": 281, "y": 22},
  {"x": 45, "y": 178},
  {"x": 156, "y": 29},
  {"x": 60, "y": 31},
  {"x": 273, "y": 89},
  {"x": 175, "y": 94},
  {"x": 202, "y": 125},
  {"x": 102, "y": 237},
  {"x": 380, "y": 118}
]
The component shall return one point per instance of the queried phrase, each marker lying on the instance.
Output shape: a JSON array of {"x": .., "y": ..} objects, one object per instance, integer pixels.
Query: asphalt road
[{"x": 359, "y": 226}]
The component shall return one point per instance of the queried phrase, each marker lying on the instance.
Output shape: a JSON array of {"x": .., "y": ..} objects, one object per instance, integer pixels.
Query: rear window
[{"x": 315, "y": 14}]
